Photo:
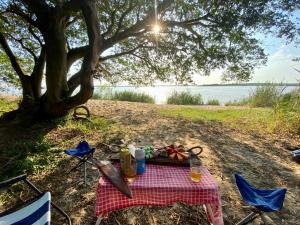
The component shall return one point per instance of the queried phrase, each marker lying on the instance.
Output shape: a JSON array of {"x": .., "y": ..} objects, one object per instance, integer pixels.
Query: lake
[
  {"x": 222, "y": 93},
  {"x": 160, "y": 93}
]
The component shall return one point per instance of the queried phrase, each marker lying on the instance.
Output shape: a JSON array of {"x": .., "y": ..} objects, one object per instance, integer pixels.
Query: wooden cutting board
[{"x": 158, "y": 161}]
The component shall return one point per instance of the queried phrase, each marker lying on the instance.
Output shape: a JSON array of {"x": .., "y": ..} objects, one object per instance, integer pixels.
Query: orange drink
[
  {"x": 130, "y": 171},
  {"x": 195, "y": 169},
  {"x": 195, "y": 174}
]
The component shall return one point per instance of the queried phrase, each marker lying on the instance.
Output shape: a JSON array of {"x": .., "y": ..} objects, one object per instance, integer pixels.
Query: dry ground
[{"x": 262, "y": 159}]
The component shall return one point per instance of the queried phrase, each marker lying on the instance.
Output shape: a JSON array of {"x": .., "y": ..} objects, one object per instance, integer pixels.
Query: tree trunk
[
  {"x": 55, "y": 102},
  {"x": 56, "y": 61}
]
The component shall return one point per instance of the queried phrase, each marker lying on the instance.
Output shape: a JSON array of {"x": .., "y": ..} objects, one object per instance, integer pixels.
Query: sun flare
[{"x": 156, "y": 29}]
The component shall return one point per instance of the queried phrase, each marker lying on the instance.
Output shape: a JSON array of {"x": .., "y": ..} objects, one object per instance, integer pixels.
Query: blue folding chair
[
  {"x": 262, "y": 200},
  {"x": 83, "y": 152},
  {"x": 35, "y": 211}
]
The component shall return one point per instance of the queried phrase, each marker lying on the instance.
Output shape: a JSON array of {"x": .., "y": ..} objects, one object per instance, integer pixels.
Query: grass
[
  {"x": 263, "y": 96},
  {"x": 129, "y": 96},
  {"x": 6, "y": 106},
  {"x": 39, "y": 148},
  {"x": 242, "y": 102},
  {"x": 213, "y": 102},
  {"x": 259, "y": 119},
  {"x": 184, "y": 98}
]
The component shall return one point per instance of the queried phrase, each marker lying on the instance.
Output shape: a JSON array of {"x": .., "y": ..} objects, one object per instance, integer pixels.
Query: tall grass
[
  {"x": 103, "y": 93},
  {"x": 130, "y": 96},
  {"x": 263, "y": 96},
  {"x": 213, "y": 102},
  {"x": 184, "y": 98},
  {"x": 287, "y": 112}
]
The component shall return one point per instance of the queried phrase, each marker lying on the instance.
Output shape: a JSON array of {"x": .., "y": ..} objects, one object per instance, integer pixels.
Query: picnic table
[{"x": 162, "y": 185}]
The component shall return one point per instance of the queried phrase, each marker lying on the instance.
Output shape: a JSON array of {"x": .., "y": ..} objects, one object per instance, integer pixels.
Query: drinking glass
[
  {"x": 195, "y": 169},
  {"x": 130, "y": 171}
]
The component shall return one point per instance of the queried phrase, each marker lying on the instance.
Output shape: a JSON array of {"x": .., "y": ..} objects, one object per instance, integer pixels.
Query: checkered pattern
[{"x": 163, "y": 185}]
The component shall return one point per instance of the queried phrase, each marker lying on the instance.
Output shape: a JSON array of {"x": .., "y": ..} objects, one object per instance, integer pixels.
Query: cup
[
  {"x": 195, "y": 169},
  {"x": 130, "y": 171}
]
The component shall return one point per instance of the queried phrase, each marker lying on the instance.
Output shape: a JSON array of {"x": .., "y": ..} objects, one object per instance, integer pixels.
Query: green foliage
[
  {"x": 27, "y": 156},
  {"x": 264, "y": 96},
  {"x": 184, "y": 98},
  {"x": 104, "y": 92},
  {"x": 281, "y": 114},
  {"x": 39, "y": 152},
  {"x": 287, "y": 112},
  {"x": 213, "y": 102},
  {"x": 242, "y": 102},
  {"x": 197, "y": 37},
  {"x": 249, "y": 119},
  {"x": 129, "y": 96},
  {"x": 6, "y": 106}
]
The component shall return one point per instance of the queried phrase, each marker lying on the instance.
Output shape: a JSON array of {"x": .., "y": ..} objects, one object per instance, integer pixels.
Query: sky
[{"x": 279, "y": 68}]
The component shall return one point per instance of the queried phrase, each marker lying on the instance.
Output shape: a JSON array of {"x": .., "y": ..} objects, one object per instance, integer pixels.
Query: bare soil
[{"x": 264, "y": 160}]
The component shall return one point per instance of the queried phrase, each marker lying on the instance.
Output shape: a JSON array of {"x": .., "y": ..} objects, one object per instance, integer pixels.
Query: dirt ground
[{"x": 262, "y": 159}]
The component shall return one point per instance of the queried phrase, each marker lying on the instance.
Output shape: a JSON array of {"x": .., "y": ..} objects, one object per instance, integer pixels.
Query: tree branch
[
  {"x": 70, "y": 6},
  {"x": 17, "y": 11},
  {"x": 91, "y": 58},
  {"x": 11, "y": 56},
  {"x": 112, "y": 24},
  {"x": 124, "y": 14},
  {"x": 101, "y": 59},
  {"x": 133, "y": 31},
  {"x": 37, "y": 73},
  {"x": 20, "y": 41},
  {"x": 34, "y": 35}
]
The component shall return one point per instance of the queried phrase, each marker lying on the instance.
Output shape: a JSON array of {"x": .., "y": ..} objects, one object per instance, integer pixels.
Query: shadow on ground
[{"x": 259, "y": 159}]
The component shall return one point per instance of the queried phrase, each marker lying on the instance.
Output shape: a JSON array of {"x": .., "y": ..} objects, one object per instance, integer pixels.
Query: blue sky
[
  {"x": 279, "y": 68},
  {"x": 280, "y": 65}
]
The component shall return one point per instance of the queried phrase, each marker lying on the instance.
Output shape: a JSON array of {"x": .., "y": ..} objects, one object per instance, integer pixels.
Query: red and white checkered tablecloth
[{"x": 163, "y": 185}]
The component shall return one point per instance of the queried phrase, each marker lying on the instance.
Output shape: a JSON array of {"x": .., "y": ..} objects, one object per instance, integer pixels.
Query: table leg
[
  {"x": 214, "y": 214},
  {"x": 99, "y": 219}
]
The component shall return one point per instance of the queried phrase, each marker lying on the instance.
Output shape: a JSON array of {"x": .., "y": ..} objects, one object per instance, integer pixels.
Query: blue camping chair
[
  {"x": 34, "y": 211},
  {"x": 83, "y": 153},
  {"x": 263, "y": 200}
]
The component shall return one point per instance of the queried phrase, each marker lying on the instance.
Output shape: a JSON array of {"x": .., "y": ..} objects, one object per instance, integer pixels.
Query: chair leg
[
  {"x": 248, "y": 219},
  {"x": 75, "y": 167},
  {"x": 266, "y": 219},
  {"x": 84, "y": 173}
]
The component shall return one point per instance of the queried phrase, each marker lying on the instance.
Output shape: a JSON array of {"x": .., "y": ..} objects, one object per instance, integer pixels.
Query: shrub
[
  {"x": 243, "y": 102},
  {"x": 106, "y": 93},
  {"x": 264, "y": 96},
  {"x": 103, "y": 93},
  {"x": 131, "y": 96},
  {"x": 184, "y": 98},
  {"x": 287, "y": 112},
  {"x": 213, "y": 102}
]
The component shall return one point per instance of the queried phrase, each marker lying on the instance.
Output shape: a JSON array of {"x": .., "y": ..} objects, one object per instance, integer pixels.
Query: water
[
  {"x": 221, "y": 93},
  {"x": 161, "y": 93}
]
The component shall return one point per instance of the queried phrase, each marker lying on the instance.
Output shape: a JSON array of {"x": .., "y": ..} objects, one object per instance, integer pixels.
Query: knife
[{"x": 113, "y": 175}]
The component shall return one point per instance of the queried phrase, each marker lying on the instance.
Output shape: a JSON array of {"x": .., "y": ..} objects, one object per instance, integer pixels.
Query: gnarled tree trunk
[{"x": 55, "y": 102}]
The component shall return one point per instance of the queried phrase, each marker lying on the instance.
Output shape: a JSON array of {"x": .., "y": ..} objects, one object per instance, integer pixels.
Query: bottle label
[{"x": 140, "y": 166}]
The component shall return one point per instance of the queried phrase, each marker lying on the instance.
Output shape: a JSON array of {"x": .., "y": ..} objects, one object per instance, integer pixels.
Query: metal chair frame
[
  {"x": 83, "y": 160},
  {"x": 6, "y": 184}
]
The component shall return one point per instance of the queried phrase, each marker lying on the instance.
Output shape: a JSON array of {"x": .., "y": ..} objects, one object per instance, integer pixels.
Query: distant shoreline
[{"x": 208, "y": 85}]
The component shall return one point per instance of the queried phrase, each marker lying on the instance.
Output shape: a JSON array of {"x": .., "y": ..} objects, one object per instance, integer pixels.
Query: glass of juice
[
  {"x": 130, "y": 170},
  {"x": 195, "y": 169}
]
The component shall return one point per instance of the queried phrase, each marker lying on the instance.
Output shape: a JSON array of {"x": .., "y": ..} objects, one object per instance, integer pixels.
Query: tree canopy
[{"x": 50, "y": 40}]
